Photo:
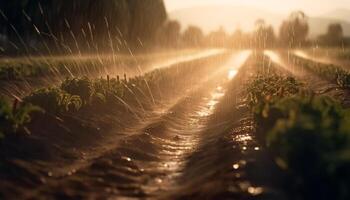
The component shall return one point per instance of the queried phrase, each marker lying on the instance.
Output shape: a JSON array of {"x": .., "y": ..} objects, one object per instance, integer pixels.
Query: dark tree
[
  {"x": 240, "y": 40},
  {"x": 147, "y": 16},
  {"x": 83, "y": 23},
  {"x": 169, "y": 35},
  {"x": 218, "y": 38},
  {"x": 336, "y": 31},
  {"x": 193, "y": 36},
  {"x": 333, "y": 37},
  {"x": 263, "y": 36},
  {"x": 294, "y": 30}
]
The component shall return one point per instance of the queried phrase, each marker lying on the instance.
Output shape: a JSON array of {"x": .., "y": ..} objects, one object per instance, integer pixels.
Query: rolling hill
[{"x": 232, "y": 17}]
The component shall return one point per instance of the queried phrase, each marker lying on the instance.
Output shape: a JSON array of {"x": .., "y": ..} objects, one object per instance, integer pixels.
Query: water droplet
[
  {"x": 108, "y": 190},
  {"x": 255, "y": 190},
  {"x": 158, "y": 180},
  {"x": 43, "y": 180},
  {"x": 242, "y": 162},
  {"x": 235, "y": 166},
  {"x": 126, "y": 158},
  {"x": 100, "y": 180}
]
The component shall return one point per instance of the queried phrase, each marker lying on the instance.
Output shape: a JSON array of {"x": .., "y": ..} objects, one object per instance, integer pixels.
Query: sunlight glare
[
  {"x": 236, "y": 63},
  {"x": 232, "y": 73},
  {"x": 273, "y": 56},
  {"x": 304, "y": 55},
  {"x": 301, "y": 54}
]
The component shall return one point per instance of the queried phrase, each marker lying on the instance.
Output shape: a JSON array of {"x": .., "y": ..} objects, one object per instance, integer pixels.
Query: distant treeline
[
  {"x": 90, "y": 26},
  {"x": 293, "y": 33},
  {"x": 79, "y": 25}
]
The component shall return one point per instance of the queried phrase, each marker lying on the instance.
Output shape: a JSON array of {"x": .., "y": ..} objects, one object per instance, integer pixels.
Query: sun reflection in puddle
[
  {"x": 176, "y": 150},
  {"x": 232, "y": 73},
  {"x": 273, "y": 56},
  {"x": 212, "y": 102},
  {"x": 240, "y": 164},
  {"x": 126, "y": 158},
  {"x": 301, "y": 54},
  {"x": 246, "y": 186},
  {"x": 255, "y": 190},
  {"x": 236, "y": 63}
]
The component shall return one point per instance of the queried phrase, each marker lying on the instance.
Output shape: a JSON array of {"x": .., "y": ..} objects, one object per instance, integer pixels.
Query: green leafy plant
[
  {"x": 312, "y": 140},
  {"x": 308, "y": 135},
  {"x": 13, "y": 119},
  {"x": 9, "y": 73},
  {"x": 54, "y": 100},
  {"x": 82, "y": 87},
  {"x": 265, "y": 89},
  {"x": 330, "y": 72}
]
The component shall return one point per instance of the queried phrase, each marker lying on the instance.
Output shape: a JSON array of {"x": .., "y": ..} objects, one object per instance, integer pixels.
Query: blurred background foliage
[{"x": 91, "y": 24}]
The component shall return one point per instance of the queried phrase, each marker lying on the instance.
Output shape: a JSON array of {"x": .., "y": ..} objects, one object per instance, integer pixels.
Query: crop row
[
  {"x": 330, "y": 72},
  {"x": 36, "y": 67},
  {"x": 75, "y": 94},
  {"x": 332, "y": 53},
  {"x": 17, "y": 70},
  {"x": 308, "y": 135}
]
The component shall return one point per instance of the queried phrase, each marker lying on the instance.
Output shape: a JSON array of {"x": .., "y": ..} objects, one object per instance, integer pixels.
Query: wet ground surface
[
  {"x": 150, "y": 161},
  {"x": 147, "y": 163},
  {"x": 204, "y": 146},
  {"x": 178, "y": 154}
]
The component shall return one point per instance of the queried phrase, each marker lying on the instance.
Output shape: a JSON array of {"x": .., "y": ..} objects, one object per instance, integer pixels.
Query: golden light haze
[{"x": 312, "y": 7}]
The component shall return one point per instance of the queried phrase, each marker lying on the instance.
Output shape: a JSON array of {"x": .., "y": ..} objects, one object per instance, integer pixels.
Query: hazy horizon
[{"x": 308, "y": 6}]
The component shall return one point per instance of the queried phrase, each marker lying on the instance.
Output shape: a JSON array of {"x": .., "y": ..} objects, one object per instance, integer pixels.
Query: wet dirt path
[
  {"x": 149, "y": 162},
  {"x": 230, "y": 162}
]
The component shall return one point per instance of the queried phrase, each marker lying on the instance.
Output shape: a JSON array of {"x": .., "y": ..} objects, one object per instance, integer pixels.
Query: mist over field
[
  {"x": 209, "y": 18},
  {"x": 175, "y": 99}
]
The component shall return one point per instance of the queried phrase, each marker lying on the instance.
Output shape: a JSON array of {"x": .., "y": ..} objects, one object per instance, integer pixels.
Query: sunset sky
[{"x": 280, "y": 6}]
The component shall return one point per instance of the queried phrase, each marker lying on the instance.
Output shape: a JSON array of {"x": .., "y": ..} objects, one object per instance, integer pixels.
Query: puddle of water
[
  {"x": 188, "y": 142},
  {"x": 232, "y": 73},
  {"x": 236, "y": 62}
]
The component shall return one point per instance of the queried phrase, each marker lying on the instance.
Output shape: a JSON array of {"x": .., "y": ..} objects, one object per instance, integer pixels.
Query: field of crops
[
  {"x": 340, "y": 54},
  {"x": 227, "y": 125},
  {"x": 19, "y": 76}
]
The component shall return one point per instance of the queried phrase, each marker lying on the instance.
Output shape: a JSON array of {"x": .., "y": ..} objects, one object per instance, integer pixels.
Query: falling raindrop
[
  {"x": 255, "y": 190},
  {"x": 235, "y": 166}
]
